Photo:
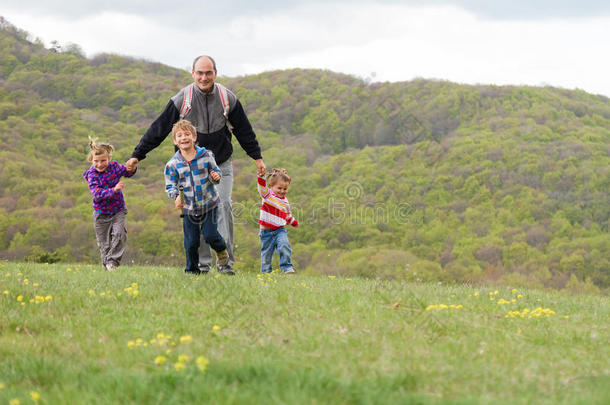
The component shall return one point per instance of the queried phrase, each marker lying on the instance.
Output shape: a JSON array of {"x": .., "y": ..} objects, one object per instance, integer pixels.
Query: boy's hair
[
  {"x": 98, "y": 148},
  {"x": 277, "y": 175},
  {"x": 183, "y": 125}
]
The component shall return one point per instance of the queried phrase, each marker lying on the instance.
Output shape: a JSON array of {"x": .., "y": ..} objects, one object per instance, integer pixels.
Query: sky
[{"x": 561, "y": 43}]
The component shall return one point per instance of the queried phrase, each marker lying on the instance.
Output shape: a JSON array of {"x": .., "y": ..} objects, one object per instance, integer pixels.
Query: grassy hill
[
  {"x": 420, "y": 180},
  {"x": 77, "y": 334}
]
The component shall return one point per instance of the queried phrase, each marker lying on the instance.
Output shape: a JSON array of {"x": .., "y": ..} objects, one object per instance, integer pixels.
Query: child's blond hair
[
  {"x": 98, "y": 148},
  {"x": 183, "y": 125},
  {"x": 277, "y": 175}
]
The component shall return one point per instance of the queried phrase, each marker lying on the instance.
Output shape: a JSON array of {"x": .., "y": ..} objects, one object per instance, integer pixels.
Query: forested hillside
[{"x": 426, "y": 180}]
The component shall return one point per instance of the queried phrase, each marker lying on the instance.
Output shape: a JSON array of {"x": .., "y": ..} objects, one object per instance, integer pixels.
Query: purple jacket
[{"x": 101, "y": 185}]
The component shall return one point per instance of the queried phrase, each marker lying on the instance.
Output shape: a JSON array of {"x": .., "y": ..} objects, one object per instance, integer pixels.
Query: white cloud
[{"x": 397, "y": 42}]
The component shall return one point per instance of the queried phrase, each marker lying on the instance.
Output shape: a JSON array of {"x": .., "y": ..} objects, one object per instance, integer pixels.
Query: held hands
[
  {"x": 119, "y": 186},
  {"x": 261, "y": 169},
  {"x": 131, "y": 164},
  {"x": 214, "y": 175},
  {"x": 178, "y": 204}
]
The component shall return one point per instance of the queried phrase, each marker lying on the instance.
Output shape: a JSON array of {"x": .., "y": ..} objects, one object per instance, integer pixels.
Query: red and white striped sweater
[{"x": 275, "y": 210}]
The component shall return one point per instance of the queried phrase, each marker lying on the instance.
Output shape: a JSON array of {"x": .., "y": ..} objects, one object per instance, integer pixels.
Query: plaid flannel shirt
[{"x": 200, "y": 194}]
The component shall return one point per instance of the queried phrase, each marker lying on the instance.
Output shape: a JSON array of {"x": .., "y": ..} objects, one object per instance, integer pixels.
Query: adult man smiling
[{"x": 211, "y": 108}]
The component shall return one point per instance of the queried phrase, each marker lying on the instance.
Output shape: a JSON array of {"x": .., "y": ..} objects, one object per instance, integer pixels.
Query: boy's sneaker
[
  {"x": 193, "y": 272},
  {"x": 222, "y": 258},
  {"x": 290, "y": 271},
  {"x": 226, "y": 270},
  {"x": 110, "y": 267}
]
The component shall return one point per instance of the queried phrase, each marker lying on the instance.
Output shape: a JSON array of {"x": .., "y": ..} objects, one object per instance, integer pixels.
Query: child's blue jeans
[
  {"x": 272, "y": 240},
  {"x": 194, "y": 226}
]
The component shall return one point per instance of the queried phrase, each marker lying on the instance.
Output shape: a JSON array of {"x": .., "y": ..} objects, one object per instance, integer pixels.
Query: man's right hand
[{"x": 131, "y": 164}]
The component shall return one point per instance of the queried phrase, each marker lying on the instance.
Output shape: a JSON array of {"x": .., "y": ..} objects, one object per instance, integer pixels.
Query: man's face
[{"x": 204, "y": 74}]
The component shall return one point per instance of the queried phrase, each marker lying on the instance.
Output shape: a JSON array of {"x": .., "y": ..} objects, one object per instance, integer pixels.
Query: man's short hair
[{"x": 204, "y": 56}]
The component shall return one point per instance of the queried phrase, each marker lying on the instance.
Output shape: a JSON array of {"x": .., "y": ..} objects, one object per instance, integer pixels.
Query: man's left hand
[{"x": 261, "y": 169}]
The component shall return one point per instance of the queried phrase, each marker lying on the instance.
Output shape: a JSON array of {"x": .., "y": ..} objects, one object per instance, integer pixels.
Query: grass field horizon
[{"x": 73, "y": 333}]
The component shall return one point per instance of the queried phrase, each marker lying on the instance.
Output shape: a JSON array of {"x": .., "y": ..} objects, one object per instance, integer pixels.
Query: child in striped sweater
[{"x": 274, "y": 216}]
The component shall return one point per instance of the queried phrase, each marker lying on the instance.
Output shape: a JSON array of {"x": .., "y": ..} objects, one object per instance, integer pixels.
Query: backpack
[{"x": 224, "y": 99}]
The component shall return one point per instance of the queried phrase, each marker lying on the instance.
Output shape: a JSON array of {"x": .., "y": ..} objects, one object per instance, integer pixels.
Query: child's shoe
[
  {"x": 226, "y": 270},
  {"x": 222, "y": 258},
  {"x": 290, "y": 271},
  {"x": 110, "y": 267}
]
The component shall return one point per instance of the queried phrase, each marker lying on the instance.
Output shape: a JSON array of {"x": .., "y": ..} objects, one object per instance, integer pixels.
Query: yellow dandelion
[
  {"x": 139, "y": 342},
  {"x": 216, "y": 328},
  {"x": 160, "y": 335},
  {"x": 48, "y": 298},
  {"x": 332, "y": 276},
  {"x": 183, "y": 358},
  {"x": 103, "y": 294},
  {"x": 1, "y": 386},
  {"x": 5, "y": 292},
  {"x": 35, "y": 396},
  {"x": 35, "y": 284},
  {"x": 135, "y": 293},
  {"x": 14, "y": 401},
  {"x": 131, "y": 344},
  {"x": 26, "y": 281},
  {"x": 160, "y": 360},
  {"x": 519, "y": 296},
  {"x": 476, "y": 293},
  {"x": 186, "y": 339},
  {"x": 134, "y": 285},
  {"x": 19, "y": 298},
  {"x": 202, "y": 363},
  {"x": 514, "y": 290},
  {"x": 496, "y": 292},
  {"x": 91, "y": 292},
  {"x": 179, "y": 366}
]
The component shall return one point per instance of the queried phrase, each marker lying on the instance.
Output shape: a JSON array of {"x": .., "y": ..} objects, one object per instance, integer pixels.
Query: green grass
[{"x": 291, "y": 340}]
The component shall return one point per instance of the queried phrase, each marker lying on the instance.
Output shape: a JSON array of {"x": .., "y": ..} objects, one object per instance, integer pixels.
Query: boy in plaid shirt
[{"x": 190, "y": 177}]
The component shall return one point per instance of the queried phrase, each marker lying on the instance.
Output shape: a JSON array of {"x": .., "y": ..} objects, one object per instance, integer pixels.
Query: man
[{"x": 207, "y": 113}]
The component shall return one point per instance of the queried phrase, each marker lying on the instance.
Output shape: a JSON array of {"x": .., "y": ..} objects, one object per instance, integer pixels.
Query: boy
[{"x": 190, "y": 177}]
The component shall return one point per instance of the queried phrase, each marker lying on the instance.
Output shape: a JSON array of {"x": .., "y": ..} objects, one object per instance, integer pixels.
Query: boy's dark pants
[{"x": 194, "y": 226}]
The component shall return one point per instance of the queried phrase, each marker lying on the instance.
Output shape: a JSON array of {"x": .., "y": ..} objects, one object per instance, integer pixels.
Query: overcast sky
[{"x": 561, "y": 43}]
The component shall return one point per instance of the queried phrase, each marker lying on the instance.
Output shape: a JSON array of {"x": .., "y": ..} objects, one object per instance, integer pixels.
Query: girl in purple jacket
[{"x": 109, "y": 209}]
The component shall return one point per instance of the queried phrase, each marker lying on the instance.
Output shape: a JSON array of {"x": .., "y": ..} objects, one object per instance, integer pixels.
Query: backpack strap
[
  {"x": 186, "y": 101},
  {"x": 224, "y": 99}
]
